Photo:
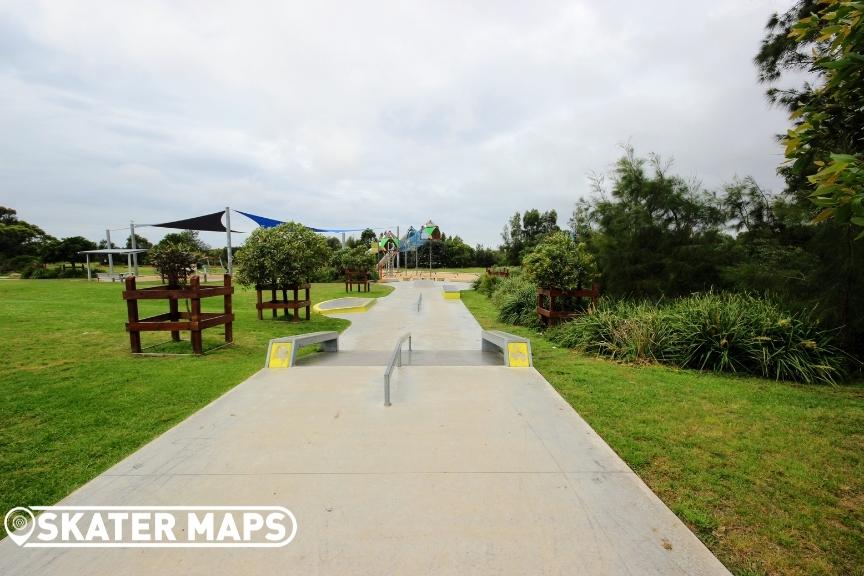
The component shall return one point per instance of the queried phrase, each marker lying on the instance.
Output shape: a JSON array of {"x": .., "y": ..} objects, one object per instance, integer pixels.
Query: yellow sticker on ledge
[
  {"x": 518, "y": 354},
  {"x": 280, "y": 355}
]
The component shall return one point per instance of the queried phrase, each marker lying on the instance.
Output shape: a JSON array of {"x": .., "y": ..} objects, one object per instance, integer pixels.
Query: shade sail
[
  {"x": 206, "y": 223},
  {"x": 262, "y": 221},
  {"x": 266, "y": 222}
]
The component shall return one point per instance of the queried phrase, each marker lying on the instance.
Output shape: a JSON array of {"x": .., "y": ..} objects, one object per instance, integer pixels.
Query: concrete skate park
[{"x": 475, "y": 467}]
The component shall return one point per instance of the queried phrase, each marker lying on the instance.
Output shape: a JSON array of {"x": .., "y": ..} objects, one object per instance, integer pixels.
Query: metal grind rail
[{"x": 395, "y": 360}]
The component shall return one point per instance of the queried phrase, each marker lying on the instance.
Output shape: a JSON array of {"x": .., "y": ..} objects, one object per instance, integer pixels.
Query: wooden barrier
[
  {"x": 358, "y": 278},
  {"x": 548, "y": 312},
  {"x": 174, "y": 321},
  {"x": 503, "y": 272},
  {"x": 285, "y": 304}
]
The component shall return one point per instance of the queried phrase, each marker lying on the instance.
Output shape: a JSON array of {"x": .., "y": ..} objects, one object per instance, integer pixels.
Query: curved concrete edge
[{"x": 346, "y": 310}]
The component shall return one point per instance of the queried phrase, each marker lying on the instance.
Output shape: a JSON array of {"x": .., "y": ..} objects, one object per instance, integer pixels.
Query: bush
[
  {"x": 355, "y": 259},
  {"x": 174, "y": 260},
  {"x": 738, "y": 333},
  {"x": 37, "y": 272},
  {"x": 284, "y": 256},
  {"x": 487, "y": 284},
  {"x": 559, "y": 262},
  {"x": 19, "y": 263},
  {"x": 618, "y": 329},
  {"x": 516, "y": 299}
]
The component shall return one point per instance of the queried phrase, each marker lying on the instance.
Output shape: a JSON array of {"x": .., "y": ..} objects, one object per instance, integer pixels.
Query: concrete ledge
[
  {"x": 348, "y": 305},
  {"x": 452, "y": 292},
  {"x": 516, "y": 350},
  {"x": 282, "y": 352}
]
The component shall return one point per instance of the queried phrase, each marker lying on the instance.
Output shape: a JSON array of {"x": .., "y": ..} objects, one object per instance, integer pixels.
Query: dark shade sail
[{"x": 207, "y": 223}]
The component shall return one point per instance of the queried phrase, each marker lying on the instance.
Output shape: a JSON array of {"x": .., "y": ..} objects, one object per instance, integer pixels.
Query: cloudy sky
[{"x": 353, "y": 114}]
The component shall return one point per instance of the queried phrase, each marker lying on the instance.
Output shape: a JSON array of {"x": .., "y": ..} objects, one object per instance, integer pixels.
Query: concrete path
[
  {"x": 473, "y": 470},
  {"x": 438, "y": 325}
]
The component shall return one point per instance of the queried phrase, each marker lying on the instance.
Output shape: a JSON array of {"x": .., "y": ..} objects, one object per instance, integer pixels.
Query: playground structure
[
  {"x": 416, "y": 239},
  {"x": 388, "y": 246}
]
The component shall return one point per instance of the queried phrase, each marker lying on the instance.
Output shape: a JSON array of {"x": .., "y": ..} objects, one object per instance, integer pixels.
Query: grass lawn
[
  {"x": 74, "y": 401},
  {"x": 769, "y": 475}
]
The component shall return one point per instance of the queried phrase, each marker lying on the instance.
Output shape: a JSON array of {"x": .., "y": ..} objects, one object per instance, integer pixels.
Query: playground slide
[{"x": 386, "y": 260}]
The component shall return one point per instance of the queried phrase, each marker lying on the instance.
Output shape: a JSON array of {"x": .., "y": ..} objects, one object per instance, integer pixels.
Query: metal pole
[
  {"x": 134, "y": 246},
  {"x": 398, "y": 254},
  {"x": 343, "y": 239},
  {"x": 88, "y": 266},
  {"x": 110, "y": 256},
  {"x": 228, "y": 232}
]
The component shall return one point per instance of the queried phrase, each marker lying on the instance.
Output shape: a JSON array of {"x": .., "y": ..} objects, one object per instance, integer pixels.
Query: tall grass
[
  {"x": 737, "y": 333},
  {"x": 516, "y": 300}
]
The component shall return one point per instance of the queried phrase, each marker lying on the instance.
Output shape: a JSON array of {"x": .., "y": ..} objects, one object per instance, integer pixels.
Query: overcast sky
[{"x": 353, "y": 114}]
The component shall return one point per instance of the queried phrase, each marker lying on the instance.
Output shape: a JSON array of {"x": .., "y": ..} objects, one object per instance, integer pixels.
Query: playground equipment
[
  {"x": 415, "y": 239},
  {"x": 388, "y": 245}
]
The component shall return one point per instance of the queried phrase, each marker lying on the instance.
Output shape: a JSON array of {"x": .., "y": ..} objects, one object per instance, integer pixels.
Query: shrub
[
  {"x": 354, "y": 259},
  {"x": 619, "y": 329},
  {"x": 19, "y": 263},
  {"x": 748, "y": 334},
  {"x": 38, "y": 272},
  {"x": 284, "y": 256},
  {"x": 174, "y": 260},
  {"x": 516, "y": 299},
  {"x": 559, "y": 262},
  {"x": 738, "y": 333},
  {"x": 487, "y": 284}
]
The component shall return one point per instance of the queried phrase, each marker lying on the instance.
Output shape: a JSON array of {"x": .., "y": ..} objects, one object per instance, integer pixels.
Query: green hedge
[
  {"x": 39, "y": 273},
  {"x": 738, "y": 333}
]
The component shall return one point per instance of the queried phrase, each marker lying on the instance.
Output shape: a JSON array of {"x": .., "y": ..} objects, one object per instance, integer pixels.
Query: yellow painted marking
[
  {"x": 280, "y": 355},
  {"x": 317, "y": 308},
  {"x": 452, "y": 295},
  {"x": 518, "y": 353}
]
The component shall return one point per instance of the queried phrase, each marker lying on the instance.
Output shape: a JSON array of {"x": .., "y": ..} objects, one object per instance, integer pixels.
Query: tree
[
  {"x": 657, "y": 234},
  {"x": 824, "y": 147},
  {"x": 457, "y": 254},
  {"x": 334, "y": 243},
  {"x": 823, "y": 40},
  {"x": 17, "y": 237},
  {"x": 69, "y": 249},
  {"x": 143, "y": 243},
  {"x": 513, "y": 240},
  {"x": 485, "y": 257},
  {"x": 559, "y": 262},
  {"x": 284, "y": 256},
  {"x": 357, "y": 259},
  {"x": 367, "y": 237},
  {"x": 174, "y": 260}
]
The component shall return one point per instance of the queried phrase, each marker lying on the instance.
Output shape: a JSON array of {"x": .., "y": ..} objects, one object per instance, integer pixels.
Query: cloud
[{"x": 344, "y": 114}]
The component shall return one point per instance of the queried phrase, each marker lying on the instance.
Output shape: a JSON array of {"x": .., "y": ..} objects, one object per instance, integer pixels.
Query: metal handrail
[
  {"x": 419, "y": 301},
  {"x": 396, "y": 356}
]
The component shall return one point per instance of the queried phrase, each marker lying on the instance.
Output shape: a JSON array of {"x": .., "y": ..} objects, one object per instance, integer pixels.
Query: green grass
[
  {"x": 770, "y": 475},
  {"x": 74, "y": 401}
]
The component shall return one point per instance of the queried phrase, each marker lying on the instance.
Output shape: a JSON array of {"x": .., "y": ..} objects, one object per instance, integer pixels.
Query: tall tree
[
  {"x": 368, "y": 236},
  {"x": 823, "y": 39},
  {"x": 657, "y": 234},
  {"x": 825, "y": 145},
  {"x": 17, "y": 237}
]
